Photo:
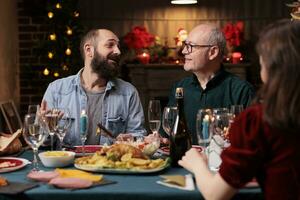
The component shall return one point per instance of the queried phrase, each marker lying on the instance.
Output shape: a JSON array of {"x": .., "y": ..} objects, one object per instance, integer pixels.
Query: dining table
[{"x": 137, "y": 186}]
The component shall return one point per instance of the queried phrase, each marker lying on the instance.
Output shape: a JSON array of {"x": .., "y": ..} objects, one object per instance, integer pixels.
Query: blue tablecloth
[{"x": 138, "y": 186}]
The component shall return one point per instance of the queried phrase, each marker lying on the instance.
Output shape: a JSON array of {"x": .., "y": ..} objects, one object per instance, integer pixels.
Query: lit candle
[
  {"x": 144, "y": 58},
  {"x": 236, "y": 57}
]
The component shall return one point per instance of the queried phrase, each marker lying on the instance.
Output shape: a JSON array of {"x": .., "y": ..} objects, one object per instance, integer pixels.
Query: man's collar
[
  {"x": 109, "y": 85},
  {"x": 218, "y": 76}
]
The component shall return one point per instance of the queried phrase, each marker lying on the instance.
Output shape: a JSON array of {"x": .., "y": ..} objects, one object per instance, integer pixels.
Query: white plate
[
  {"x": 121, "y": 171},
  {"x": 19, "y": 163}
]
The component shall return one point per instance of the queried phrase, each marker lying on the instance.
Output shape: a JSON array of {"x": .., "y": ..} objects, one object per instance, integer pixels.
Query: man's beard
[{"x": 105, "y": 67}]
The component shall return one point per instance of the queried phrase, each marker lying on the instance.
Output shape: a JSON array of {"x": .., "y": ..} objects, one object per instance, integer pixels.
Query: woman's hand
[{"x": 192, "y": 160}]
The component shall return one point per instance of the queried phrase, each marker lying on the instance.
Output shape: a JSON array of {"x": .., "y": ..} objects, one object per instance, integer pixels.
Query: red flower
[
  {"x": 138, "y": 38},
  {"x": 234, "y": 33}
]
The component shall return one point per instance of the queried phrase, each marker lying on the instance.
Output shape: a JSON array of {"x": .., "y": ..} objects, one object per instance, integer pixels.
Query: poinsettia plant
[
  {"x": 139, "y": 38},
  {"x": 234, "y": 33}
]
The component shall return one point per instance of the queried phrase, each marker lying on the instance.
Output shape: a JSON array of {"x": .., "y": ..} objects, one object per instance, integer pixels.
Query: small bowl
[{"x": 57, "y": 158}]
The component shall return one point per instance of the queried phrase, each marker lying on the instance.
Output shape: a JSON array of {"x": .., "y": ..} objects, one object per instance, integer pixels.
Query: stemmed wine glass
[
  {"x": 154, "y": 115},
  {"x": 169, "y": 118},
  {"x": 34, "y": 132},
  {"x": 63, "y": 124},
  {"x": 235, "y": 110},
  {"x": 52, "y": 120}
]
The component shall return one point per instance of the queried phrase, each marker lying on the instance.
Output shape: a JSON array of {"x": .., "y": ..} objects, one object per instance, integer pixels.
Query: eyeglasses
[{"x": 189, "y": 47}]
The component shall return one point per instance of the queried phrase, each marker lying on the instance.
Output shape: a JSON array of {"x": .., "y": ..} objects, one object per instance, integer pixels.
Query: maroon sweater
[{"x": 259, "y": 151}]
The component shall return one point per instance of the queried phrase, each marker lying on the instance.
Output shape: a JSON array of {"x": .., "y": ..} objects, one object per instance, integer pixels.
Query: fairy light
[
  {"x": 56, "y": 74},
  {"x": 50, "y": 55},
  {"x": 46, "y": 72},
  {"x": 58, "y": 6},
  {"x": 65, "y": 67},
  {"x": 76, "y": 13},
  {"x": 68, "y": 51},
  {"x": 50, "y": 15},
  {"x": 69, "y": 31},
  {"x": 52, "y": 36}
]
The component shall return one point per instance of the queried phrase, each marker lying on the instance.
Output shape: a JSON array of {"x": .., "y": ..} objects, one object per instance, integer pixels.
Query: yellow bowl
[{"x": 57, "y": 158}]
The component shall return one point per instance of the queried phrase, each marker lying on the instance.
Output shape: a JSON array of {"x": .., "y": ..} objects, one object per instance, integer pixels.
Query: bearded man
[{"x": 96, "y": 89}]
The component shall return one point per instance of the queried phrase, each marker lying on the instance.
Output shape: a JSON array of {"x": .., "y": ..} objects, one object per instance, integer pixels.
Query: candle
[
  {"x": 205, "y": 127},
  {"x": 236, "y": 57},
  {"x": 144, "y": 58}
]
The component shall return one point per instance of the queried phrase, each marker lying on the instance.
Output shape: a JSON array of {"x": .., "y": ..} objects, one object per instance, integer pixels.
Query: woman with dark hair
[{"x": 265, "y": 138}]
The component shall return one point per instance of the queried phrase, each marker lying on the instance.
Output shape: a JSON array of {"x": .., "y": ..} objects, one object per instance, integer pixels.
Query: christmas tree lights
[{"x": 59, "y": 51}]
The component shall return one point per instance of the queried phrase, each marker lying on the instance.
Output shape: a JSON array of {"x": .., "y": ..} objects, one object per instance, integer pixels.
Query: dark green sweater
[{"x": 223, "y": 90}]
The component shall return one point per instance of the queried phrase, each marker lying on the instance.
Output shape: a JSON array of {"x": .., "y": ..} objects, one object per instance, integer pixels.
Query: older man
[
  {"x": 210, "y": 86},
  {"x": 107, "y": 100}
]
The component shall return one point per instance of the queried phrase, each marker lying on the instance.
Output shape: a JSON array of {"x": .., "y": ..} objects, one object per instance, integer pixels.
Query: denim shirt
[{"x": 122, "y": 110}]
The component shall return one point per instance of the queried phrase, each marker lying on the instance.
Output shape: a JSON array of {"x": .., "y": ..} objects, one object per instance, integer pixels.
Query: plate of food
[
  {"x": 121, "y": 159},
  {"x": 8, "y": 164},
  {"x": 89, "y": 149}
]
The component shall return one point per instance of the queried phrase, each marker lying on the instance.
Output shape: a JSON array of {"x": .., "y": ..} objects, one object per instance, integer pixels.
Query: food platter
[
  {"x": 8, "y": 164},
  {"x": 92, "y": 168}
]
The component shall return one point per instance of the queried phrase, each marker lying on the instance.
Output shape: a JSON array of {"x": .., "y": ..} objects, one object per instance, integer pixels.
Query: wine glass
[
  {"x": 169, "y": 118},
  {"x": 221, "y": 123},
  {"x": 52, "y": 120},
  {"x": 154, "y": 115},
  {"x": 33, "y": 109},
  {"x": 203, "y": 126},
  {"x": 63, "y": 124},
  {"x": 34, "y": 132},
  {"x": 235, "y": 110}
]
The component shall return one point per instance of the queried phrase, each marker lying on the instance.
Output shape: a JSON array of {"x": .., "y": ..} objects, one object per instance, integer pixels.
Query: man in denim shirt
[{"x": 108, "y": 100}]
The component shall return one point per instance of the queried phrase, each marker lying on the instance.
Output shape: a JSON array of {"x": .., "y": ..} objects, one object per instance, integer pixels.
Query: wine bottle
[{"x": 180, "y": 138}]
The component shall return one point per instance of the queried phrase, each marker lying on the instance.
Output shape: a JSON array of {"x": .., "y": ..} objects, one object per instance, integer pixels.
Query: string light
[
  {"x": 65, "y": 67},
  {"x": 50, "y": 55},
  {"x": 52, "y": 36},
  {"x": 46, "y": 72},
  {"x": 56, "y": 74},
  {"x": 58, "y": 6},
  {"x": 69, "y": 31},
  {"x": 76, "y": 13},
  {"x": 50, "y": 15},
  {"x": 68, "y": 51}
]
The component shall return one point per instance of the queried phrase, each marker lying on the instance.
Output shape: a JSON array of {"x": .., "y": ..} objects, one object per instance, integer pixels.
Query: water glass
[
  {"x": 63, "y": 124},
  {"x": 203, "y": 126},
  {"x": 51, "y": 117},
  {"x": 34, "y": 132},
  {"x": 33, "y": 109},
  {"x": 154, "y": 115},
  {"x": 220, "y": 123},
  {"x": 235, "y": 110},
  {"x": 169, "y": 118}
]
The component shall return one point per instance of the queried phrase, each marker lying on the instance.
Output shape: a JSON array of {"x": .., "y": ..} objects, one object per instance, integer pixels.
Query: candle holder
[
  {"x": 236, "y": 57},
  {"x": 143, "y": 57}
]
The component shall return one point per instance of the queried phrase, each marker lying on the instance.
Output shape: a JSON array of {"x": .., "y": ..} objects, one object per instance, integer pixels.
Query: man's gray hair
[{"x": 217, "y": 37}]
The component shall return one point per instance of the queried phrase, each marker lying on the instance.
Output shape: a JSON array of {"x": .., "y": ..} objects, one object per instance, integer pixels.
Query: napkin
[
  {"x": 213, "y": 152},
  {"x": 178, "y": 181},
  {"x": 17, "y": 187}
]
